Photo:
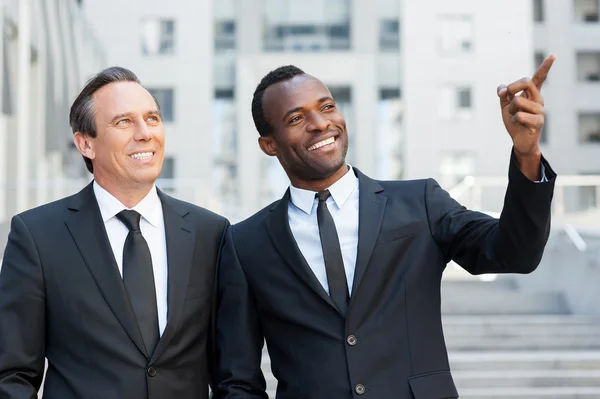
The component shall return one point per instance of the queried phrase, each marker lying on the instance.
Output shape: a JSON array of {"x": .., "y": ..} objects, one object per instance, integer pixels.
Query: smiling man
[
  {"x": 114, "y": 284},
  {"x": 341, "y": 276}
]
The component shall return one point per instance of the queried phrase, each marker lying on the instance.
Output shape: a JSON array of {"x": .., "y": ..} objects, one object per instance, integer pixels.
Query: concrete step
[
  {"x": 521, "y": 332},
  {"x": 523, "y": 343},
  {"x": 531, "y": 393},
  {"x": 527, "y": 378},
  {"x": 524, "y": 360},
  {"x": 524, "y": 324},
  {"x": 500, "y": 302}
]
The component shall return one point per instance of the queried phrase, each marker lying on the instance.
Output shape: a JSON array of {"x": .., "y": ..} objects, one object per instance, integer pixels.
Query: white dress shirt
[
  {"x": 343, "y": 206},
  {"x": 152, "y": 225}
]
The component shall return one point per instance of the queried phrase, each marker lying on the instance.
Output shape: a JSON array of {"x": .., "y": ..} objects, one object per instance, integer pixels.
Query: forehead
[
  {"x": 302, "y": 91},
  {"x": 122, "y": 97}
]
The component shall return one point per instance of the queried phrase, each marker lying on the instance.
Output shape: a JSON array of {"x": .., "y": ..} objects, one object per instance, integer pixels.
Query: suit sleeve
[
  {"x": 239, "y": 337},
  {"x": 482, "y": 244},
  {"x": 212, "y": 346},
  {"x": 22, "y": 316}
]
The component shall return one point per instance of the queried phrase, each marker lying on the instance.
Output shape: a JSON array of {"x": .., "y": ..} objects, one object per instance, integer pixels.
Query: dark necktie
[
  {"x": 138, "y": 278},
  {"x": 332, "y": 254}
]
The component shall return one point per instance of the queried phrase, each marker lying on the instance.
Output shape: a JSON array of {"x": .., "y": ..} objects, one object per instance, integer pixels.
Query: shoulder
[{"x": 194, "y": 212}]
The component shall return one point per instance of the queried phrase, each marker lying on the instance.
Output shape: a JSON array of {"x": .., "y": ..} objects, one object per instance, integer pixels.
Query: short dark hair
[
  {"x": 83, "y": 114},
  {"x": 280, "y": 74}
]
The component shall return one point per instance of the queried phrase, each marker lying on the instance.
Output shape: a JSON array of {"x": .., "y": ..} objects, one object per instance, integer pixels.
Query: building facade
[{"x": 48, "y": 52}]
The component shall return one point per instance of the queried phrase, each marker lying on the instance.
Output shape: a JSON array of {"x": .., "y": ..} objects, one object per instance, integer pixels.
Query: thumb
[{"x": 503, "y": 95}]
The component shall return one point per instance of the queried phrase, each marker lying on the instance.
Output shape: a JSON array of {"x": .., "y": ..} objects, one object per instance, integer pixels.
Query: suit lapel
[
  {"x": 370, "y": 216},
  {"x": 278, "y": 228},
  {"x": 87, "y": 229},
  {"x": 180, "y": 250}
]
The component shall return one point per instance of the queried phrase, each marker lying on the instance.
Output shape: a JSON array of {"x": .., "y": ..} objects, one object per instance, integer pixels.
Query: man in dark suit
[
  {"x": 113, "y": 285},
  {"x": 341, "y": 276}
]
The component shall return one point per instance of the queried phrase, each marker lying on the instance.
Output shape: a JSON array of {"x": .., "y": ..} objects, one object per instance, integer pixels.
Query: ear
[
  {"x": 84, "y": 144},
  {"x": 268, "y": 145}
]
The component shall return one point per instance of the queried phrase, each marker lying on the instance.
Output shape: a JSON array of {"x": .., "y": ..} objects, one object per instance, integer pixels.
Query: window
[
  {"x": 168, "y": 168},
  {"x": 455, "y": 102},
  {"x": 343, "y": 99},
  {"x": 545, "y": 129},
  {"x": 389, "y": 93},
  {"x": 388, "y": 138},
  {"x": 538, "y": 10},
  {"x": 589, "y": 127},
  {"x": 307, "y": 26},
  {"x": 455, "y": 34},
  {"x": 586, "y": 10},
  {"x": 224, "y": 146},
  {"x": 224, "y": 35},
  {"x": 164, "y": 97},
  {"x": 455, "y": 166},
  {"x": 588, "y": 66},
  {"x": 389, "y": 35},
  {"x": 538, "y": 58},
  {"x": 158, "y": 36}
]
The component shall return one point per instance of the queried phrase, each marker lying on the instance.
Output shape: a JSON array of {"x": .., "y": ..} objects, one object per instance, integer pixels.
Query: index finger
[{"x": 541, "y": 74}]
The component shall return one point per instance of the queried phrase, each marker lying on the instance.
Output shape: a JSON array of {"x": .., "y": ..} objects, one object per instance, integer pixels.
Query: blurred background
[{"x": 416, "y": 82}]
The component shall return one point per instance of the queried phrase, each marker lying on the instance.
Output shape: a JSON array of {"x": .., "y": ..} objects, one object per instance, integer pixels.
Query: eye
[
  {"x": 123, "y": 122},
  {"x": 328, "y": 106},
  {"x": 152, "y": 118},
  {"x": 295, "y": 119}
]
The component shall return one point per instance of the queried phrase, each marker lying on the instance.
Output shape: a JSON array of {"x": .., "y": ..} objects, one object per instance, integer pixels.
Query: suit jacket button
[
  {"x": 360, "y": 389},
  {"x": 351, "y": 340},
  {"x": 151, "y": 371}
]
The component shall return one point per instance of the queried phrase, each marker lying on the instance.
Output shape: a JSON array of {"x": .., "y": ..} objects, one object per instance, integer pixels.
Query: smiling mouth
[
  {"x": 322, "y": 143},
  {"x": 142, "y": 155}
]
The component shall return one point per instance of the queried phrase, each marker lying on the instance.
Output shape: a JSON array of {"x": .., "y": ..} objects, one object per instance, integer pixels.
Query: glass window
[
  {"x": 456, "y": 34},
  {"x": 455, "y": 102},
  {"x": 165, "y": 99},
  {"x": 588, "y": 66},
  {"x": 389, "y": 35},
  {"x": 586, "y": 10},
  {"x": 538, "y": 10},
  {"x": 312, "y": 25},
  {"x": 589, "y": 127},
  {"x": 158, "y": 36},
  {"x": 224, "y": 35}
]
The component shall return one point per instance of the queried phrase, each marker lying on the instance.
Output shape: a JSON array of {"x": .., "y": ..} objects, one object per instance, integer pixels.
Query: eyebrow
[
  {"x": 130, "y": 114},
  {"x": 119, "y": 116},
  {"x": 291, "y": 111}
]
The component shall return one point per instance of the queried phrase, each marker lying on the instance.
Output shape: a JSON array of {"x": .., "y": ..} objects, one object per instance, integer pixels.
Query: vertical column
[
  {"x": 23, "y": 117},
  {"x": 364, "y": 32},
  {"x": 3, "y": 147},
  {"x": 40, "y": 159},
  {"x": 249, "y": 42}
]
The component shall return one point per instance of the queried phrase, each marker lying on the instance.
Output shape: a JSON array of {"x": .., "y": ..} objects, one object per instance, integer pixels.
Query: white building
[
  {"x": 571, "y": 29},
  {"x": 416, "y": 82},
  {"x": 48, "y": 52}
]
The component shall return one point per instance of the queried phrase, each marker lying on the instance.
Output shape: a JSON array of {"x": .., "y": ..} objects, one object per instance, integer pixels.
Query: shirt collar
[
  {"x": 149, "y": 207},
  {"x": 340, "y": 192}
]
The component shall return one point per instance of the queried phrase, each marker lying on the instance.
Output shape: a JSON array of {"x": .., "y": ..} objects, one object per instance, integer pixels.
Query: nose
[
  {"x": 318, "y": 123},
  {"x": 142, "y": 131}
]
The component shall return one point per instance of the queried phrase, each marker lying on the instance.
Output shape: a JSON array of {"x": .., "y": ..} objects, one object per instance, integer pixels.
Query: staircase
[{"x": 505, "y": 344}]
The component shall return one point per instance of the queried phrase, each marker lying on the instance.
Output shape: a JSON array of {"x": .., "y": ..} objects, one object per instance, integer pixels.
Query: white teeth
[
  {"x": 141, "y": 155},
  {"x": 321, "y": 144}
]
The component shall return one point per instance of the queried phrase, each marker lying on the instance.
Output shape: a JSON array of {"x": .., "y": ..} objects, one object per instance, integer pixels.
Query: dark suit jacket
[
  {"x": 62, "y": 297},
  {"x": 391, "y": 342}
]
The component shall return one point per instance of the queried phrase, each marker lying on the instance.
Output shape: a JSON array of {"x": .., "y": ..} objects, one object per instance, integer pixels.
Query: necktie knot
[
  {"x": 131, "y": 219},
  {"x": 323, "y": 195}
]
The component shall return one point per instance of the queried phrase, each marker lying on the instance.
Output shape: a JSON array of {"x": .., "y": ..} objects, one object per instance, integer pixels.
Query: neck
[
  {"x": 130, "y": 196},
  {"x": 320, "y": 184}
]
